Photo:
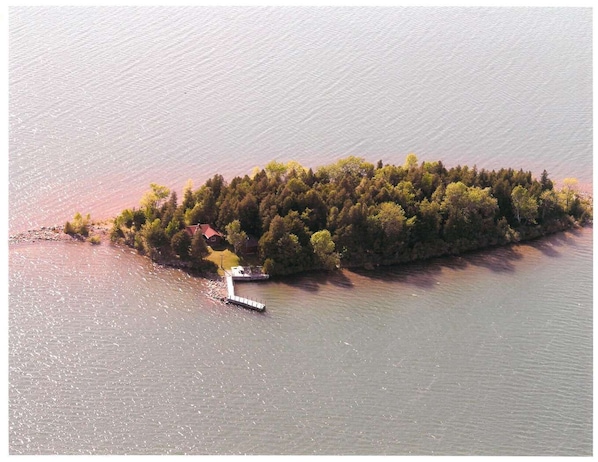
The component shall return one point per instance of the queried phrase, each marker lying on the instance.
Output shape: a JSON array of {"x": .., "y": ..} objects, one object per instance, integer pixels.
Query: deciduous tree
[
  {"x": 323, "y": 246},
  {"x": 153, "y": 198},
  {"x": 235, "y": 235},
  {"x": 524, "y": 205}
]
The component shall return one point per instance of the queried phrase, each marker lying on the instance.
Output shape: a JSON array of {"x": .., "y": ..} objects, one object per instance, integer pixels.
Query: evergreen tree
[{"x": 199, "y": 248}]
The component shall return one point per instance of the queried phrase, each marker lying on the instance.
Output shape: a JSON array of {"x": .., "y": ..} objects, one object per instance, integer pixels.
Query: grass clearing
[{"x": 225, "y": 257}]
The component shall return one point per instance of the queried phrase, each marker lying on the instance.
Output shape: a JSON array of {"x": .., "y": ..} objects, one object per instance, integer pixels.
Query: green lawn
[{"x": 226, "y": 258}]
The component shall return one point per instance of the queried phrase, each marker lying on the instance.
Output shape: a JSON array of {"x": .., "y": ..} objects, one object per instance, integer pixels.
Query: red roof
[
  {"x": 206, "y": 230},
  {"x": 191, "y": 229},
  {"x": 209, "y": 232}
]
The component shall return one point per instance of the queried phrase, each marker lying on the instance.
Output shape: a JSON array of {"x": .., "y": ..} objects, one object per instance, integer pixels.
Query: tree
[
  {"x": 366, "y": 213},
  {"x": 80, "y": 225},
  {"x": 323, "y": 246},
  {"x": 392, "y": 219},
  {"x": 524, "y": 205},
  {"x": 169, "y": 208},
  {"x": 248, "y": 212},
  {"x": 153, "y": 198},
  {"x": 545, "y": 182},
  {"x": 548, "y": 203},
  {"x": 188, "y": 199},
  {"x": 568, "y": 191},
  {"x": 199, "y": 249},
  {"x": 410, "y": 161},
  {"x": 404, "y": 193},
  {"x": 352, "y": 166},
  {"x": 275, "y": 169},
  {"x": 154, "y": 236},
  {"x": 294, "y": 166},
  {"x": 126, "y": 225},
  {"x": 429, "y": 220},
  {"x": 174, "y": 225},
  {"x": 469, "y": 211},
  {"x": 181, "y": 244},
  {"x": 235, "y": 235}
]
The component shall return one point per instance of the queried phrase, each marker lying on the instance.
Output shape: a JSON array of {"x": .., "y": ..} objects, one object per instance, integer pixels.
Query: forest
[{"x": 352, "y": 213}]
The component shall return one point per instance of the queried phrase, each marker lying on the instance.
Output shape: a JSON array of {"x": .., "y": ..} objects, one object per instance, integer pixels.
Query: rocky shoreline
[
  {"x": 53, "y": 233},
  {"x": 216, "y": 289},
  {"x": 56, "y": 233},
  {"x": 215, "y": 286}
]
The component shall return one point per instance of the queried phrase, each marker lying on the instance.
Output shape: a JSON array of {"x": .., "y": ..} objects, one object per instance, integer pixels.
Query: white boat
[{"x": 250, "y": 273}]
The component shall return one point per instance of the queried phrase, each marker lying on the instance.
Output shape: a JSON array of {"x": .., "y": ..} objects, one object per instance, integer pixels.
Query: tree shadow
[
  {"x": 312, "y": 281},
  {"x": 549, "y": 245},
  {"x": 425, "y": 274},
  {"x": 496, "y": 259},
  {"x": 499, "y": 259}
]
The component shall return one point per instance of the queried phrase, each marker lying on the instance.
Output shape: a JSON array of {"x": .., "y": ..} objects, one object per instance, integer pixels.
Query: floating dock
[{"x": 241, "y": 301}]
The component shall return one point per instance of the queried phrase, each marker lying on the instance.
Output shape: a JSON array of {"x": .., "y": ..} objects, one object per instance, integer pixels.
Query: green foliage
[
  {"x": 410, "y": 161},
  {"x": 545, "y": 182},
  {"x": 235, "y": 235},
  {"x": 352, "y": 212},
  {"x": 79, "y": 225},
  {"x": 181, "y": 245},
  {"x": 95, "y": 239},
  {"x": 126, "y": 225},
  {"x": 324, "y": 246},
  {"x": 275, "y": 169},
  {"x": 524, "y": 205},
  {"x": 391, "y": 219},
  {"x": 69, "y": 228},
  {"x": 199, "y": 249},
  {"x": 469, "y": 212},
  {"x": 351, "y": 166},
  {"x": 153, "y": 235},
  {"x": 173, "y": 227},
  {"x": 152, "y": 199},
  {"x": 568, "y": 192}
]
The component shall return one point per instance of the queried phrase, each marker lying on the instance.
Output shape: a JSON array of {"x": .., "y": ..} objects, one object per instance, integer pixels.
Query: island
[{"x": 289, "y": 219}]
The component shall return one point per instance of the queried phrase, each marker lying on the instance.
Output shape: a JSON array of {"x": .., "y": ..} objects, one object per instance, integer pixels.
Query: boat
[{"x": 250, "y": 273}]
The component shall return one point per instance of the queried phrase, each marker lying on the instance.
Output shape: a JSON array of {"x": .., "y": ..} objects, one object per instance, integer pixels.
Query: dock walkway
[{"x": 241, "y": 301}]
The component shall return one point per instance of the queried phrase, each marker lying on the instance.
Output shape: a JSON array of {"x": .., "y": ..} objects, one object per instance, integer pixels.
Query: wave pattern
[
  {"x": 485, "y": 355},
  {"x": 110, "y": 355},
  {"x": 104, "y": 101}
]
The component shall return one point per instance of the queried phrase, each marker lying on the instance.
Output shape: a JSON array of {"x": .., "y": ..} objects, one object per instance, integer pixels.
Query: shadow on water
[
  {"x": 549, "y": 245},
  {"x": 425, "y": 274},
  {"x": 312, "y": 281}
]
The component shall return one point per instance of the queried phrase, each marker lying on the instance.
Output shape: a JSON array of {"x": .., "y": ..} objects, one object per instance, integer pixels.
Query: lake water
[{"x": 486, "y": 354}]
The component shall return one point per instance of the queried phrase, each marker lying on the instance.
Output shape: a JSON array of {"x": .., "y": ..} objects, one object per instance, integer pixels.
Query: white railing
[{"x": 235, "y": 299}]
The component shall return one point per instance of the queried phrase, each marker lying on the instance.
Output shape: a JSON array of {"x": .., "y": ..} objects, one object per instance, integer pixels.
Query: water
[
  {"x": 488, "y": 354},
  {"x": 104, "y": 101},
  {"x": 484, "y": 355}
]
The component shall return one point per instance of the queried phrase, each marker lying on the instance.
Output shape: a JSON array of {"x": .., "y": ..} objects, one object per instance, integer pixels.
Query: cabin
[{"x": 211, "y": 235}]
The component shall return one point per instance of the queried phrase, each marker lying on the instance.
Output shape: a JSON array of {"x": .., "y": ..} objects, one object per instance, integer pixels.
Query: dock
[
  {"x": 251, "y": 273},
  {"x": 241, "y": 301}
]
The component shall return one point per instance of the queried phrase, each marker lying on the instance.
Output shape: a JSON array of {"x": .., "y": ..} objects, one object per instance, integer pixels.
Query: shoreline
[
  {"x": 215, "y": 284},
  {"x": 56, "y": 233},
  {"x": 102, "y": 231}
]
